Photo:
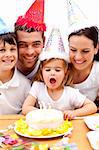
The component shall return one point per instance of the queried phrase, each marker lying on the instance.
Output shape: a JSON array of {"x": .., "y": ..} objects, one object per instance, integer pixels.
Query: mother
[{"x": 83, "y": 45}]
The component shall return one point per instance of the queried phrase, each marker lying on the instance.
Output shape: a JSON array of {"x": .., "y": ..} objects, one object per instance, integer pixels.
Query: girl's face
[
  {"x": 82, "y": 52},
  {"x": 53, "y": 73},
  {"x": 8, "y": 56}
]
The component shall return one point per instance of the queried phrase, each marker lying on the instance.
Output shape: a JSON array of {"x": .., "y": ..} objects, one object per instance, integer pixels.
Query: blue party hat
[{"x": 4, "y": 28}]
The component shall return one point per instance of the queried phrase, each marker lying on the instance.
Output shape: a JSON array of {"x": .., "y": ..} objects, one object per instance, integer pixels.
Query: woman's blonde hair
[{"x": 68, "y": 80}]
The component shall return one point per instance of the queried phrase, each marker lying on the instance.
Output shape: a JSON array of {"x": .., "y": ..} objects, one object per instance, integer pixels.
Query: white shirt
[
  {"x": 90, "y": 86},
  {"x": 13, "y": 93},
  {"x": 70, "y": 99}
]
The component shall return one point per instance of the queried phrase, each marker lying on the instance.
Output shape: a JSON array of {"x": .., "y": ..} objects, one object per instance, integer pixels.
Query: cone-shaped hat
[
  {"x": 76, "y": 18},
  {"x": 54, "y": 47},
  {"x": 34, "y": 17},
  {"x": 4, "y": 28},
  {"x": 75, "y": 14}
]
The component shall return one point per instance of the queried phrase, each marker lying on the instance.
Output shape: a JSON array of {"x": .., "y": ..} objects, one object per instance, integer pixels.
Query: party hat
[
  {"x": 76, "y": 18},
  {"x": 5, "y": 28},
  {"x": 75, "y": 14},
  {"x": 54, "y": 47},
  {"x": 34, "y": 17}
]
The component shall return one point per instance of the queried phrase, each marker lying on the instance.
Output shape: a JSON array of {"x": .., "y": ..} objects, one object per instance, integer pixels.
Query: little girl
[
  {"x": 51, "y": 83},
  {"x": 14, "y": 86}
]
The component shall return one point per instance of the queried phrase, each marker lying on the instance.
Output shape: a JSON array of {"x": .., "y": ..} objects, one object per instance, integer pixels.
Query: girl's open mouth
[{"x": 52, "y": 80}]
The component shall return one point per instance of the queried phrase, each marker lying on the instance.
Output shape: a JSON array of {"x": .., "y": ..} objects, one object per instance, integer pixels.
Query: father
[{"x": 30, "y": 38}]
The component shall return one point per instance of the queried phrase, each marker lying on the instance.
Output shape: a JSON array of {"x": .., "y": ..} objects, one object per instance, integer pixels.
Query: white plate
[
  {"x": 93, "y": 137},
  {"x": 92, "y": 122},
  {"x": 43, "y": 137}
]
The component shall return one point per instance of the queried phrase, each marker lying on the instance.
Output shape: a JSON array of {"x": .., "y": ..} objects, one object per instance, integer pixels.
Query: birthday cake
[{"x": 44, "y": 118}]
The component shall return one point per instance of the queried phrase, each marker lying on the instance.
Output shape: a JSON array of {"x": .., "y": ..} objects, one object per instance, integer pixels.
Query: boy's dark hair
[{"x": 8, "y": 37}]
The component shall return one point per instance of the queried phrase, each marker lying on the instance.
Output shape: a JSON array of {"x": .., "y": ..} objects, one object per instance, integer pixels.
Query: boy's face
[
  {"x": 29, "y": 46},
  {"x": 54, "y": 73},
  {"x": 8, "y": 56}
]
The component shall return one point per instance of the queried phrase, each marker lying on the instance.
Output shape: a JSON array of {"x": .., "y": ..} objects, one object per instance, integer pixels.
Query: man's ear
[{"x": 44, "y": 38}]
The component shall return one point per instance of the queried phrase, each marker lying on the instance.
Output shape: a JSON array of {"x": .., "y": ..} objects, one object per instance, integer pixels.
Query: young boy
[{"x": 14, "y": 86}]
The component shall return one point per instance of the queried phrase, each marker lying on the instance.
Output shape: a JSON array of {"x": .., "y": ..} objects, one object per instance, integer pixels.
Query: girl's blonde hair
[{"x": 68, "y": 80}]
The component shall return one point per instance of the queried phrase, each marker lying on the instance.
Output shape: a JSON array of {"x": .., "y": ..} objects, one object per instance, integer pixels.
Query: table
[{"x": 78, "y": 133}]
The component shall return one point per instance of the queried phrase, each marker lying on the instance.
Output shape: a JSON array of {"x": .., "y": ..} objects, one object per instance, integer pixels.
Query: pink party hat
[
  {"x": 34, "y": 17},
  {"x": 54, "y": 47}
]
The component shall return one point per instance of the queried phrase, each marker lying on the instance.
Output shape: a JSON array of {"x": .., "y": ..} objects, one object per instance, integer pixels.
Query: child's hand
[{"x": 69, "y": 114}]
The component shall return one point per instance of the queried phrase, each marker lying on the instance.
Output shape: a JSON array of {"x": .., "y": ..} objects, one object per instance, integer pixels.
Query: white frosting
[{"x": 44, "y": 118}]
